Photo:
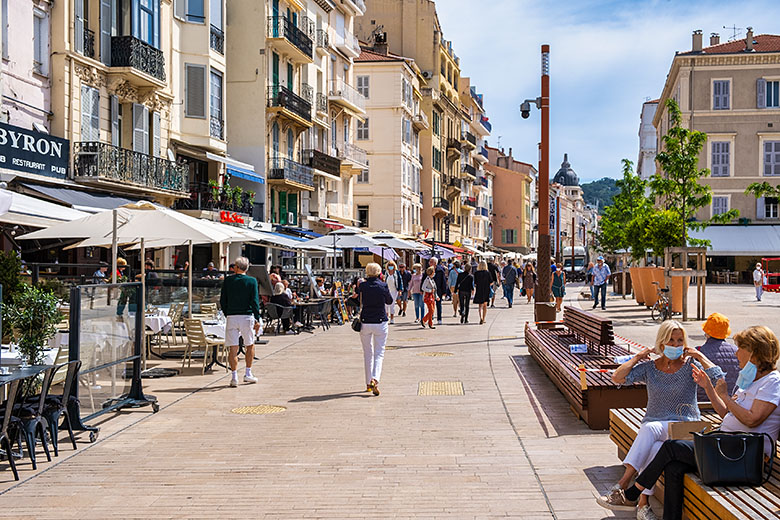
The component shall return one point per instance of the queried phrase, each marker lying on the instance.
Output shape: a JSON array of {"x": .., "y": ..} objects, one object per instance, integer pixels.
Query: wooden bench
[
  {"x": 582, "y": 378},
  {"x": 704, "y": 502}
]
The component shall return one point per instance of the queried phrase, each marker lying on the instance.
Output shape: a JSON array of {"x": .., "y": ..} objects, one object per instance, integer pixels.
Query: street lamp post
[{"x": 542, "y": 293}]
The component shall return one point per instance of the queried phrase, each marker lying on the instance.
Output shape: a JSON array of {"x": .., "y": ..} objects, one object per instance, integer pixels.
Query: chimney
[
  {"x": 714, "y": 39},
  {"x": 380, "y": 43},
  {"x": 697, "y": 41},
  {"x": 749, "y": 40},
  {"x": 510, "y": 151}
]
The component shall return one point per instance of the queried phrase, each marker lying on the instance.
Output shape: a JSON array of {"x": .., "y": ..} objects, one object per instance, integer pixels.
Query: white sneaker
[
  {"x": 392, "y": 322},
  {"x": 298, "y": 324},
  {"x": 290, "y": 332},
  {"x": 646, "y": 513},
  {"x": 249, "y": 379},
  {"x": 233, "y": 383}
]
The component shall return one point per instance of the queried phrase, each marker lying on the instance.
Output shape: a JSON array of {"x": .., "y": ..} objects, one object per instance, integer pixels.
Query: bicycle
[{"x": 662, "y": 309}]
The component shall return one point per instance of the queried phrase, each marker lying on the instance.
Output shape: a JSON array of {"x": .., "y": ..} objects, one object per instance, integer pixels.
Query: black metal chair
[
  {"x": 33, "y": 420},
  {"x": 324, "y": 313},
  {"x": 279, "y": 313},
  {"x": 6, "y": 442},
  {"x": 57, "y": 405}
]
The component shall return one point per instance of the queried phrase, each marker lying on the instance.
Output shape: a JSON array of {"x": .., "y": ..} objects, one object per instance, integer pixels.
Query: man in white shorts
[{"x": 240, "y": 302}]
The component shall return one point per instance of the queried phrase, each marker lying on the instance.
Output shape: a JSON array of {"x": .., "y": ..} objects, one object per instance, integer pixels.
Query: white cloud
[{"x": 607, "y": 58}]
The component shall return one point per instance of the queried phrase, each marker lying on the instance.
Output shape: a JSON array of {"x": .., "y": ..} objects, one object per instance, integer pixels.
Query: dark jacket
[
  {"x": 239, "y": 296},
  {"x": 406, "y": 276},
  {"x": 723, "y": 354},
  {"x": 374, "y": 295},
  {"x": 440, "y": 277},
  {"x": 493, "y": 268},
  {"x": 282, "y": 299},
  {"x": 465, "y": 283},
  {"x": 510, "y": 274}
]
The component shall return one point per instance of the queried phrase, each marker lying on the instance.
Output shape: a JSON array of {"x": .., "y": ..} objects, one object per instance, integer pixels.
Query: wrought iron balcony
[
  {"x": 454, "y": 182},
  {"x": 307, "y": 93},
  {"x": 469, "y": 201},
  {"x": 484, "y": 121},
  {"x": 322, "y": 161},
  {"x": 217, "y": 128},
  {"x": 217, "y": 41},
  {"x": 483, "y": 152},
  {"x": 453, "y": 144},
  {"x": 283, "y": 28},
  {"x": 354, "y": 154},
  {"x": 207, "y": 198},
  {"x": 89, "y": 43},
  {"x": 469, "y": 139},
  {"x": 102, "y": 161},
  {"x": 344, "y": 94},
  {"x": 481, "y": 182},
  {"x": 469, "y": 169},
  {"x": 442, "y": 203},
  {"x": 322, "y": 103},
  {"x": 323, "y": 41},
  {"x": 279, "y": 96},
  {"x": 128, "y": 51},
  {"x": 284, "y": 169}
]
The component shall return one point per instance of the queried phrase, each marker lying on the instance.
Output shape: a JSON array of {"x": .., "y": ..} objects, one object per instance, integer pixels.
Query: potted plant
[
  {"x": 213, "y": 192},
  {"x": 33, "y": 316},
  {"x": 238, "y": 195}
]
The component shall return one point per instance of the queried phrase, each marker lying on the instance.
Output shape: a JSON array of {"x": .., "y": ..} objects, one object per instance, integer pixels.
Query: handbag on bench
[{"x": 732, "y": 458}]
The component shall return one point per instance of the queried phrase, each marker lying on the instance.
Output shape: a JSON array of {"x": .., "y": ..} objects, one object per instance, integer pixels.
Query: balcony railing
[
  {"x": 354, "y": 154},
  {"x": 103, "y": 161},
  {"x": 282, "y": 168},
  {"x": 469, "y": 170},
  {"x": 470, "y": 138},
  {"x": 420, "y": 120},
  {"x": 484, "y": 121},
  {"x": 217, "y": 128},
  {"x": 128, "y": 51},
  {"x": 481, "y": 181},
  {"x": 454, "y": 182},
  {"x": 217, "y": 41},
  {"x": 340, "y": 89},
  {"x": 322, "y": 161},
  {"x": 483, "y": 212},
  {"x": 307, "y": 93},
  {"x": 483, "y": 152},
  {"x": 89, "y": 43},
  {"x": 441, "y": 202},
  {"x": 282, "y": 27},
  {"x": 348, "y": 43},
  {"x": 323, "y": 40},
  {"x": 322, "y": 103},
  {"x": 279, "y": 96},
  {"x": 453, "y": 144},
  {"x": 205, "y": 198},
  {"x": 469, "y": 201}
]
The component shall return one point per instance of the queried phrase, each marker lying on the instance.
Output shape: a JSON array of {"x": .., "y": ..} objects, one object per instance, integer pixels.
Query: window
[
  {"x": 508, "y": 236},
  {"x": 720, "y": 205},
  {"x": 90, "y": 114},
  {"x": 362, "y": 85},
  {"x": 194, "y": 90},
  {"x": 116, "y": 121},
  {"x": 768, "y": 93},
  {"x": 770, "y": 207},
  {"x": 720, "y": 158},
  {"x": 215, "y": 13},
  {"x": 362, "y": 216},
  {"x": 4, "y": 28},
  {"x": 436, "y": 122},
  {"x": 436, "y": 159},
  {"x": 362, "y": 177},
  {"x": 215, "y": 96},
  {"x": 140, "y": 128},
  {"x": 346, "y": 130},
  {"x": 290, "y": 145},
  {"x": 40, "y": 42},
  {"x": 362, "y": 130},
  {"x": 771, "y": 157},
  {"x": 720, "y": 94},
  {"x": 195, "y": 12},
  {"x": 406, "y": 131}
]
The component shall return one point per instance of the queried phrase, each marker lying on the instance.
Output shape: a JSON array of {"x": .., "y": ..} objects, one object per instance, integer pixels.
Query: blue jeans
[
  {"x": 759, "y": 292},
  {"x": 509, "y": 293},
  {"x": 419, "y": 306},
  {"x": 592, "y": 292},
  {"x": 600, "y": 289}
]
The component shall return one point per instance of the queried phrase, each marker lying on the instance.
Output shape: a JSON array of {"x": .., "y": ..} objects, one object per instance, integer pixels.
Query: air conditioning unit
[{"x": 427, "y": 74}]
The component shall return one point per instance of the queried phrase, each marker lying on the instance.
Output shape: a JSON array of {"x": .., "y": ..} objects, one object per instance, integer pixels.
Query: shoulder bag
[
  {"x": 731, "y": 458},
  {"x": 356, "y": 323}
]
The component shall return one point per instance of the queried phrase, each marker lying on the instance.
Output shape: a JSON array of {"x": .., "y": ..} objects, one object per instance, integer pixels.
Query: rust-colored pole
[{"x": 543, "y": 250}]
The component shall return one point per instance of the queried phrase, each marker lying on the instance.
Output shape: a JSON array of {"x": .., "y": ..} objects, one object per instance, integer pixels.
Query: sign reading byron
[{"x": 33, "y": 152}]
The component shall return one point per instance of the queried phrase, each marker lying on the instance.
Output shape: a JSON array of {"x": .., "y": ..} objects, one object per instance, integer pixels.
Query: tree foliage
[{"x": 600, "y": 193}]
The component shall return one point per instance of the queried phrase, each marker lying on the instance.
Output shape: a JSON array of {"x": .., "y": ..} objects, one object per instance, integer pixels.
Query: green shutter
[
  {"x": 283, "y": 207},
  {"x": 292, "y": 207}
]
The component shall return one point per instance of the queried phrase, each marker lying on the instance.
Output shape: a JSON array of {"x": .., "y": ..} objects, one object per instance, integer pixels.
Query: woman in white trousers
[{"x": 374, "y": 297}]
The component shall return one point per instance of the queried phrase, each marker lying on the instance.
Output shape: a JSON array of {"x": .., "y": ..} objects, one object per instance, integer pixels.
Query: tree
[
  {"x": 622, "y": 225},
  {"x": 677, "y": 190},
  {"x": 763, "y": 189}
]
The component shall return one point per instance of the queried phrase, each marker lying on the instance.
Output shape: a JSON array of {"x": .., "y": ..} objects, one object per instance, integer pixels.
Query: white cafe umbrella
[{"x": 343, "y": 239}]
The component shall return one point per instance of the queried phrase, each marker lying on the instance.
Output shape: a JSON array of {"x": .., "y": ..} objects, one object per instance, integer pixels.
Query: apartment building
[
  {"x": 388, "y": 196},
  {"x": 648, "y": 141},
  {"x": 413, "y": 31},
  {"x": 511, "y": 183},
  {"x": 573, "y": 219},
  {"x": 476, "y": 197}
]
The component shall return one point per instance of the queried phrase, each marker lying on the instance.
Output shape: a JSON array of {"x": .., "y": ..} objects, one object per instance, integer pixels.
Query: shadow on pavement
[{"x": 330, "y": 397}]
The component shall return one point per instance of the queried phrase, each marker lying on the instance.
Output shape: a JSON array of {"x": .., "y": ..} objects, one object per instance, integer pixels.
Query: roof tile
[{"x": 763, "y": 43}]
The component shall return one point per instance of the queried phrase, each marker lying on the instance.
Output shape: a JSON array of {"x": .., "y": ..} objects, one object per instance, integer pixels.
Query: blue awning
[
  {"x": 241, "y": 173},
  {"x": 299, "y": 231},
  {"x": 291, "y": 237}
]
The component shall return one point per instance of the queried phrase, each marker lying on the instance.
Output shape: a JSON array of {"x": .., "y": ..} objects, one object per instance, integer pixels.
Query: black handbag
[
  {"x": 731, "y": 458},
  {"x": 357, "y": 324}
]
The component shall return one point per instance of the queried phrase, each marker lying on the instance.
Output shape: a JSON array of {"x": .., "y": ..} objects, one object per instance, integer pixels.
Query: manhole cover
[
  {"x": 258, "y": 410},
  {"x": 440, "y": 388},
  {"x": 435, "y": 354}
]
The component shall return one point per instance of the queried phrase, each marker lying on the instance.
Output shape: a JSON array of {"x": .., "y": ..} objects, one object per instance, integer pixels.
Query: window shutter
[
  {"x": 761, "y": 93},
  {"x": 86, "y": 113},
  {"x": 195, "y": 89},
  {"x": 725, "y": 86},
  {"x": 178, "y": 8},
  {"x": 716, "y": 95},
  {"x": 156, "y": 134},
  {"x": 105, "y": 31},
  {"x": 78, "y": 25},
  {"x": 140, "y": 128},
  {"x": 725, "y": 152},
  {"x": 760, "y": 208},
  {"x": 715, "y": 158},
  {"x": 115, "y": 121}
]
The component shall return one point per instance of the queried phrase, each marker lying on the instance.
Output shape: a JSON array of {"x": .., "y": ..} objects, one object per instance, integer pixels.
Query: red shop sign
[{"x": 230, "y": 218}]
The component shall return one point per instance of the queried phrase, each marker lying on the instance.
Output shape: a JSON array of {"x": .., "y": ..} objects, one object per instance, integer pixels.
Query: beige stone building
[
  {"x": 388, "y": 196},
  {"x": 510, "y": 182},
  {"x": 477, "y": 195}
]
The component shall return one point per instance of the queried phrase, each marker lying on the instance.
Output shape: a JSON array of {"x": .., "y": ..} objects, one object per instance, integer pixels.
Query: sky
[{"x": 606, "y": 59}]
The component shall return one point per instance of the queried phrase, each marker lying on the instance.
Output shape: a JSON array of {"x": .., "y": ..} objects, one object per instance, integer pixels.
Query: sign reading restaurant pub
[{"x": 33, "y": 152}]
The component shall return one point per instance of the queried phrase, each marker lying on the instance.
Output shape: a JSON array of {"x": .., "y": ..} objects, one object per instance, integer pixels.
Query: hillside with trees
[{"x": 600, "y": 191}]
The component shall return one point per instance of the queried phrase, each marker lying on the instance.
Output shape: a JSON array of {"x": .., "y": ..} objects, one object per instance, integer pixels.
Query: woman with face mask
[
  {"x": 752, "y": 408},
  {"x": 671, "y": 396},
  {"x": 395, "y": 285}
]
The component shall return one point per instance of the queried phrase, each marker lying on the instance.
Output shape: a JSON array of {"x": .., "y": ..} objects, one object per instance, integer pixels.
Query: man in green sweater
[{"x": 240, "y": 302}]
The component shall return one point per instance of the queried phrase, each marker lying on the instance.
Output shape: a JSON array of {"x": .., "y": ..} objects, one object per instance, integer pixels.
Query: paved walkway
[{"x": 509, "y": 447}]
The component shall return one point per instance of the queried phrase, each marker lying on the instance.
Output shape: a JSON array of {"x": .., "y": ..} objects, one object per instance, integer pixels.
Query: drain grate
[
  {"x": 440, "y": 388},
  {"x": 258, "y": 410},
  {"x": 435, "y": 354}
]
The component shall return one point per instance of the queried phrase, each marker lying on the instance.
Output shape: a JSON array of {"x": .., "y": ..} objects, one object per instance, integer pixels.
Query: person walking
[
  {"x": 415, "y": 290},
  {"x": 440, "y": 279},
  {"x": 589, "y": 280},
  {"x": 429, "y": 296},
  {"x": 601, "y": 274},
  {"x": 495, "y": 276},
  {"x": 758, "y": 281},
  {"x": 558, "y": 286},
  {"x": 509, "y": 273},
  {"x": 529, "y": 281},
  {"x": 403, "y": 299},
  {"x": 395, "y": 286},
  {"x": 452, "y": 280},
  {"x": 240, "y": 303},
  {"x": 464, "y": 288},
  {"x": 483, "y": 281},
  {"x": 374, "y": 297}
]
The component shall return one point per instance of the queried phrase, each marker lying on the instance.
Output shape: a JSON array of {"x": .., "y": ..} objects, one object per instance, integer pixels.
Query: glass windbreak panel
[
  {"x": 166, "y": 287},
  {"x": 106, "y": 330}
]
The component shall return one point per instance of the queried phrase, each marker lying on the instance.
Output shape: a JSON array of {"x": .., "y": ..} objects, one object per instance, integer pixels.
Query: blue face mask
[
  {"x": 747, "y": 375},
  {"x": 673, "y": 352}
]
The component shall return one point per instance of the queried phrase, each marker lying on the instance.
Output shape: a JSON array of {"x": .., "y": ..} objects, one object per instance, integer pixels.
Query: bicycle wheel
[
  {"x": 666, "y": 310},
  {"x": 656, "y": 312}
]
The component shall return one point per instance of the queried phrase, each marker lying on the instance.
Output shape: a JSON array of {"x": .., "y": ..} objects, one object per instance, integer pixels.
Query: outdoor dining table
[
  {"x": 308, "y": 308},
  {"x": 8, "y": 358},
  {"x": 157, "y": 323},
  {"x": 16, "y": 373}
]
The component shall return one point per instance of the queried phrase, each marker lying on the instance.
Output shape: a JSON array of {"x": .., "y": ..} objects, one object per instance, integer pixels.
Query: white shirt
[
  {"x": 765, "y": 389},
  {"x": 758, "y": 276}
]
